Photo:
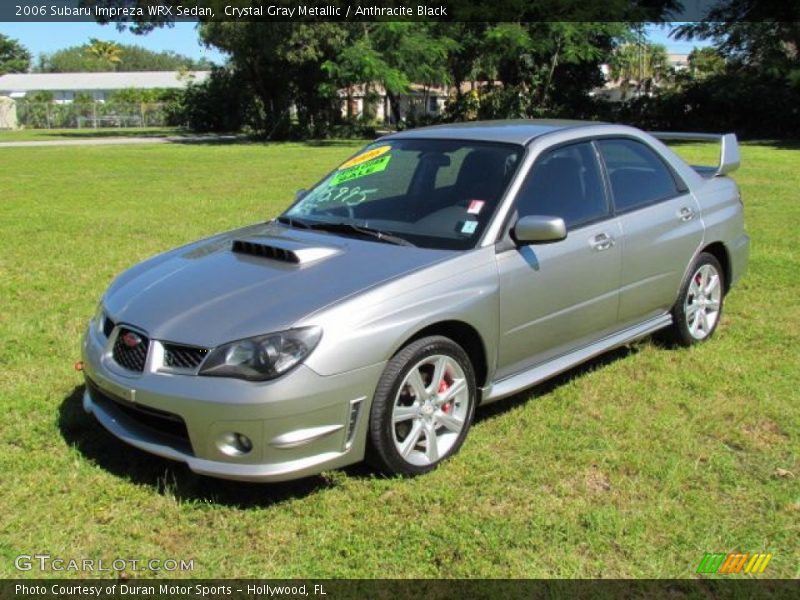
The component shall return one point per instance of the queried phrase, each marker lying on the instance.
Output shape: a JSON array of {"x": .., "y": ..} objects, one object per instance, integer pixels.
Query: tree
[
  {"x": 14, "y": 57},
  {"x": 538, "y": 68},
  {"x": 109, "y": 53},
  {"x": 705, "y": 62},
  {"x": 359, "y": 64},
  {"x": 283, "y": 63},
  {"x": 752, "y": 35},
  {"x": 541, "y": 60},
  {"x": 768, "y": 43},
  {"x": 79, "y": 59},
  {"x": 641, "y": 67},
  {"x": 220, "y": 103},
  {"x": 137, "y": 58},
  {"x": 523, "y": 69},
  {"x": 394, "y": 55},
  {"x": 754, "y": 92},
  {"x": 758, "y": 40},
  {"x": 74, "y": 59}
]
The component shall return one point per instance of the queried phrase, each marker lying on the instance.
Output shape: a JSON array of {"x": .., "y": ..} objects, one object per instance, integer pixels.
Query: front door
[{"x": 558, "y": 296}]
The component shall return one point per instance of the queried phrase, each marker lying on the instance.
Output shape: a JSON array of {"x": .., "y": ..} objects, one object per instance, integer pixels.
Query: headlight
[
  {"x": 262, "y": 357},
  {"x": 98, "y": 318}
]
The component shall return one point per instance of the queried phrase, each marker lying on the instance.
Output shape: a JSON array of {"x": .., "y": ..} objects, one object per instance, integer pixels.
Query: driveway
[{"x": 126, "y": 141}]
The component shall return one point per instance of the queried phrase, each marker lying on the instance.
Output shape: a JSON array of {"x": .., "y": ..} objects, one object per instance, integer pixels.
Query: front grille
[
  {"x": 130, "y": 349},
  {"x": 183, "y": 357},
  {"x": 152, "y": 418}
]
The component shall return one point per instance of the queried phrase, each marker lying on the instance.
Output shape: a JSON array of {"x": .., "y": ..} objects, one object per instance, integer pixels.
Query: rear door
[
  {"x": 660, "y": 223},
  {"x": 557, "y": 296}
]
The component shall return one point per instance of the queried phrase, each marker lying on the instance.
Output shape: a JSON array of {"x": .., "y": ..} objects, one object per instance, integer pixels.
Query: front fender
[{"x": 373, "y": 326}]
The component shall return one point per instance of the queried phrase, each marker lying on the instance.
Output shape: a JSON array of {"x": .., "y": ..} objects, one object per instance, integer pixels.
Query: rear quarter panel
[{"x": 723, "y": 217}]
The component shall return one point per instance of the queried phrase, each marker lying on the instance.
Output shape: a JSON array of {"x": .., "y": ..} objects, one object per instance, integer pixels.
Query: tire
[
  {"x": 698, "y": 309},
  {"x": 409, "y": 410}
]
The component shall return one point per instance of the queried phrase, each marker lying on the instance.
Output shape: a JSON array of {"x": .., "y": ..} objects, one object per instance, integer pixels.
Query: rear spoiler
[{"x": 728, "y": 156}]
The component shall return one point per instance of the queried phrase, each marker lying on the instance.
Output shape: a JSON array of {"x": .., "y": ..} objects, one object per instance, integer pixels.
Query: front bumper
[{"x": 299, "y": 424}]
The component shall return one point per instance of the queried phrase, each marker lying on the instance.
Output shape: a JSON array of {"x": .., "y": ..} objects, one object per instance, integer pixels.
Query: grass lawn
[
  {"x": 634, "y": 466},
  {"x": 43, "y": 135}
]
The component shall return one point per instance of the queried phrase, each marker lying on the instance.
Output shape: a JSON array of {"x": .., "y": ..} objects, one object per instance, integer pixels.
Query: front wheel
[
  {"x": 423, "y": 407},
  {"x": 697, "y": 312}
]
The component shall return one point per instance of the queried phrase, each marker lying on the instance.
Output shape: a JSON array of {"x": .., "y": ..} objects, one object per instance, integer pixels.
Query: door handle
[
  {"x": 686, "y": 214},
  {"x": 602, "y": 241}
]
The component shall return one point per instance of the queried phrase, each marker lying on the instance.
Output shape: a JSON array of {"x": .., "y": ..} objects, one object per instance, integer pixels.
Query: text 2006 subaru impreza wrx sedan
[{"x": 435, "y": 270}]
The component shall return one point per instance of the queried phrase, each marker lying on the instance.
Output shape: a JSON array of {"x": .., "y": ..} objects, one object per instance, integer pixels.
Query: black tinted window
[
  {"x": 638, "y": 176},
  {"x": 565, "y": 183}
]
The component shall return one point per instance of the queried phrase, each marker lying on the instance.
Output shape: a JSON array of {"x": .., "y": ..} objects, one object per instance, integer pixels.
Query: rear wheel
[
  {"x": 697, "y": 312},
  {"x": 423, "y": 407}
]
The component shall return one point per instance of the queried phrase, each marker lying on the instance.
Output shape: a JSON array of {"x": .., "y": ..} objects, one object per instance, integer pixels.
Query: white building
[
  {"x": 678, "y": 60},
  {"x": 612, "y": 90},
  {"x": 64, "y": 86},
  {"x": 419, "y": 100}
]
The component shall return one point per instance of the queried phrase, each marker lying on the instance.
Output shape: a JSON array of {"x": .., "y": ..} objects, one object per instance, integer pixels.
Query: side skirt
[{"x": 515, "y": 383}]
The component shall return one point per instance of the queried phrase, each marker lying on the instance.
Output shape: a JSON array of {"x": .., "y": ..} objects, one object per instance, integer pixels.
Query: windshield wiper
[
  {"x": 381, "y": 236},
  {"x": 296, "y": 223}
]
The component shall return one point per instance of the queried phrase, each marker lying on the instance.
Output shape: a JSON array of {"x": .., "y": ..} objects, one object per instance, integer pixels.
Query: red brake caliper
[{"x": 443, "y": 387}]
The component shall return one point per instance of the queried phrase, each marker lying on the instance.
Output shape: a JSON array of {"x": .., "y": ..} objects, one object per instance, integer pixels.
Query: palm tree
[
  {"x": 105, "y": 52},
  {"x": 640, "y": 67}
]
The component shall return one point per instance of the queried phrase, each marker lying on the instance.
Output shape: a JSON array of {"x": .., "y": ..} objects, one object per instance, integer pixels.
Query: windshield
[{"x": 431, "y": 193}]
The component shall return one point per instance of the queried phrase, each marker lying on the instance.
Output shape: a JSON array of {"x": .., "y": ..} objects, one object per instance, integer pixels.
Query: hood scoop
[{"x": 285, "y": 251}]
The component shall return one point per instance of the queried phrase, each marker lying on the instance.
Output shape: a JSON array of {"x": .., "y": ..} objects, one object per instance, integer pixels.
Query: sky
[
  {"x": 658, "y": 34},
  {"x": 182, "y": 38},
  {"x": 45, "y": 38}
]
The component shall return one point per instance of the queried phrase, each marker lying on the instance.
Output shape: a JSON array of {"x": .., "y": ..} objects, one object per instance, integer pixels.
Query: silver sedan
[{"x": 436, "y": 270}]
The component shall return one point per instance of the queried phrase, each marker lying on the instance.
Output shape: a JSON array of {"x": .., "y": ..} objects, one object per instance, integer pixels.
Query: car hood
[{"x": 207, "y": 294}]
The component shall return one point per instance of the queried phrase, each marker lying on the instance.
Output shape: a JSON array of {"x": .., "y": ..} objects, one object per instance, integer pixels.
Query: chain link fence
[{"x": 48, "y": 115}]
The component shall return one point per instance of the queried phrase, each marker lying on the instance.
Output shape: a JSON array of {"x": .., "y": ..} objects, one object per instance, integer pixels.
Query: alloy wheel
[
  {"x": 430, "y": 410},
  {"x": 703, "y": 302}
]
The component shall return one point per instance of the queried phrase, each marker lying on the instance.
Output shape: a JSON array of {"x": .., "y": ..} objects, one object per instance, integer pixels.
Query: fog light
[{"x": 234, "y": 444}]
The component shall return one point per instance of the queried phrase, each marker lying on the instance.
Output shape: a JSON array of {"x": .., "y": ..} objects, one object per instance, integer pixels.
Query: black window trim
[
  {"x": 504, "y": 239},
  {"x": 680, "y": 186}
]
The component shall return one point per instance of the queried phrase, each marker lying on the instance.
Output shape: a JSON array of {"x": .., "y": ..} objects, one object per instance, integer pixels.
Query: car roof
[{"x": 511, "y": 131}]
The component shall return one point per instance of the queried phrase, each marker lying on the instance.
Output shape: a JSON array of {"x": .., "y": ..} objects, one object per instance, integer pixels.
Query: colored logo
[
  {"x": 131, "y": 340},
  {"x": 735, "y": 562}
]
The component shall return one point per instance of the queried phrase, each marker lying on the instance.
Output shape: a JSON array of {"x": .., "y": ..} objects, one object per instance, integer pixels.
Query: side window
[
  {"x": 638, "y": 176},
  {"x": 565, "y": 182}
]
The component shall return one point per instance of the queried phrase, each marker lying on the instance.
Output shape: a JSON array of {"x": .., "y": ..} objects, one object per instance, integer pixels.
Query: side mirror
[
  {"x": 298, "y": 195},
  {"x": 539, "y": 229}
]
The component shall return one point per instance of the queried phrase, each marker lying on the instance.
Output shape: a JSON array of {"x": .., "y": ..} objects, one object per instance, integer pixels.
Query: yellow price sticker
[{"x": 365, "y": 156}]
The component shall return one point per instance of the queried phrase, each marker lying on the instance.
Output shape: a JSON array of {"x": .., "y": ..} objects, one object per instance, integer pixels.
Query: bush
[
  {"x": 752, "y": 104},
  {"x": 218, "y": 104},
  {"x": 353, "y": 129}
]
